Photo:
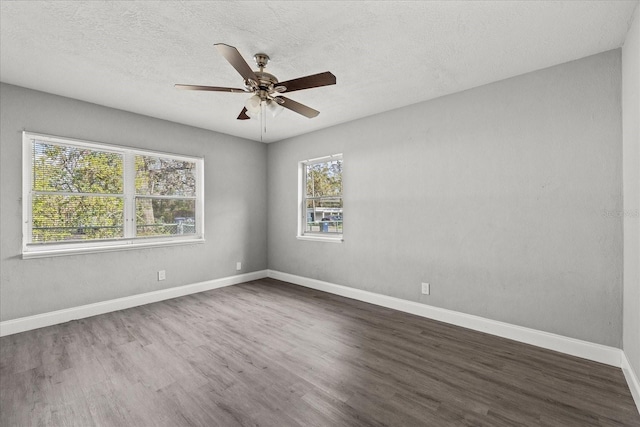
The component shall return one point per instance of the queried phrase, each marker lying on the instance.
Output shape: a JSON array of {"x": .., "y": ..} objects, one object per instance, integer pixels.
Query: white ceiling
[{"x": 385, "y": 55}]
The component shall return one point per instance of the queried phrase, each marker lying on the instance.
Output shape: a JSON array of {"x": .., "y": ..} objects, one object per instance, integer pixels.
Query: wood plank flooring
[{"x": 268, "y": 353}]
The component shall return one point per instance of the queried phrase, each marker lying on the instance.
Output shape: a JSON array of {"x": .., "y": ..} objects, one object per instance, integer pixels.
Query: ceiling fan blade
[
  {"x": 298, "y": 108},
  {"x": 232, "y": 55},
  {"x": 315, "y": 80},
  {"x": 210, "y": 88},
  {"x": 243, "y": 115}
]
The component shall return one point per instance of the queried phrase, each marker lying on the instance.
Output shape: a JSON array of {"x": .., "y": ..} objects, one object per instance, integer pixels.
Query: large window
[
  {"x": 320, "y": 207},
  {"x": 81, "y": 196}
]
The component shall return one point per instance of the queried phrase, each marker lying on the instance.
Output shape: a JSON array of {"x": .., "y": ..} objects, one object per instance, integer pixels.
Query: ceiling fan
[{"x": 265, "y": 87}]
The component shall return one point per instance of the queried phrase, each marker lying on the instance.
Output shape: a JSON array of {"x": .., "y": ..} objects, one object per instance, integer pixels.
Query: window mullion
[{"x": 129, "y": 194}]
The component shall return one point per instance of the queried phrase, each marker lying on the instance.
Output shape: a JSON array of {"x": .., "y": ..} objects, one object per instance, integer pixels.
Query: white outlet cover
[
  {"x": 238, "y": 266},
  {"x": 425, "y": 288},
  {"x": 162, "y": 275}
]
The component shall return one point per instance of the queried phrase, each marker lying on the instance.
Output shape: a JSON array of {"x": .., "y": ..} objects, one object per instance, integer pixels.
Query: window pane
[
  {"x": 76, "y": 170},
  {"x": 164, "y": 217},
  {"x": 157, "y": 176},
  {"x": 324, "y": 215},
  {"x": 67, "y": 218},
  {"x": 324, "y": 179}
]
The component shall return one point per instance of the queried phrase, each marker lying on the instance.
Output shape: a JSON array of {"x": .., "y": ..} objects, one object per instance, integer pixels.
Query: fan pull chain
[{"x": 263, "y": 120}]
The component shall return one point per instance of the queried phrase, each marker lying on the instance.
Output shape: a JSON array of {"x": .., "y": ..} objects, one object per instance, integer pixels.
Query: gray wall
[
  {"x": 631, "y": 168},
  {"x": 235, "y": 200},
  {"x": 500, "y": 197},
  {"x": 504, "y": 197}
]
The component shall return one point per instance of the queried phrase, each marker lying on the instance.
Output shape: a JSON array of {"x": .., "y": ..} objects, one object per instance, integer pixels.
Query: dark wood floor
[{"x": 270, "y": 353}]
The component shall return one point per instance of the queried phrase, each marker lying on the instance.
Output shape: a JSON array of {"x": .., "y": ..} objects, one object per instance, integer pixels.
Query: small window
[
  {"x": 321, "y": 207},
  {"x": 87, "y": 197}
]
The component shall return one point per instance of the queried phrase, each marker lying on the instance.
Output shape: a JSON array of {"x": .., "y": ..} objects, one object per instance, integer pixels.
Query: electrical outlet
[
  {"x": 426, "y": 289},
  {"x": 162, "y": 275},
  {"x": 238, "y": 266}
]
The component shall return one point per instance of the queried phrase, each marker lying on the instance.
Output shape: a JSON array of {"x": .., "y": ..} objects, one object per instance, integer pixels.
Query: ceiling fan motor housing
[
  {"x": 265, "y": 79},
  {"x": 265, "y": 84}
]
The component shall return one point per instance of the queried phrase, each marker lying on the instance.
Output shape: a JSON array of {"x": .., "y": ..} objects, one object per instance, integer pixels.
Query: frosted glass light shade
[
  {"x": 274, "y": 108},
  {"x": 253, "y": 104}
]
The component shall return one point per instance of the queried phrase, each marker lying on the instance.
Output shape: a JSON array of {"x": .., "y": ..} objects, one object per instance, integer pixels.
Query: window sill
[
  {"x": 315, "y": 238},
  {"x": 124, "y": 246}
]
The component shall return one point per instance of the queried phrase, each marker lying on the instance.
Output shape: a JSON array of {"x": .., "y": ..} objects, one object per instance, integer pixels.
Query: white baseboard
[
  {"x": 23, "y": 324},
  {"x": 632, "y": 380},
  {"x": 587, "y": 350}
]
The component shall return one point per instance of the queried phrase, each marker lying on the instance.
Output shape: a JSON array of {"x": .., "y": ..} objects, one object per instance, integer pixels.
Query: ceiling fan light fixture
[
  {"x": 274, "y": 108},
  {"x": 253, "y": 104}
]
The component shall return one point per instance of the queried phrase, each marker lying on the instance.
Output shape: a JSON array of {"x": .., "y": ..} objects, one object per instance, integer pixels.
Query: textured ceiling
[{"x": 385, "y": 55}]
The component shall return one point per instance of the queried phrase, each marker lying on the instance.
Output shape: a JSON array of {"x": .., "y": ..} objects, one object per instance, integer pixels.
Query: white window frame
[
  {"x": 302, "y": 202},
  {"x": 129, "y": 241}
]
